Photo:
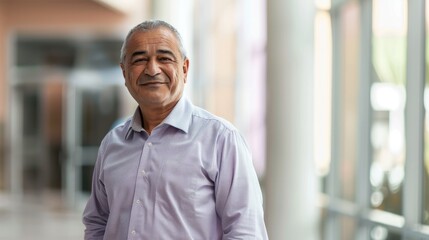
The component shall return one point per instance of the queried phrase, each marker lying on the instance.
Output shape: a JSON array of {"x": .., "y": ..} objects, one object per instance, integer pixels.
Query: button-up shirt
[{"x": 191, "y": 178}]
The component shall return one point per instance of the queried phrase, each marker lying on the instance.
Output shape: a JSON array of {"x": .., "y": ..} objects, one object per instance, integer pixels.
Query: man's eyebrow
[
  {"x": 160, "y": 51},
  {"x": 138, "y": 53},
  {"x": 168, "y": 52}
]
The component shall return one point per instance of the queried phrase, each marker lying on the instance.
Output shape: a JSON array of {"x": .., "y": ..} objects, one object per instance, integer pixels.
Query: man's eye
[
  {"x": 138, "y": 60},
  {"x": 165, "y": 59}
]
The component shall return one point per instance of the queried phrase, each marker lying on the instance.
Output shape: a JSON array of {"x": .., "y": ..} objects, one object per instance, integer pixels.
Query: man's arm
[
  {"x": 96, "y": 211},
  {"x": 239, "y": 201}
]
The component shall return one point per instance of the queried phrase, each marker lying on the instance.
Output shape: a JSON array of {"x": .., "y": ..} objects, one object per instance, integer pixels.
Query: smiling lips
[
  {"x": 141, "y": 83},
  {"x": 147, "y": 81}
]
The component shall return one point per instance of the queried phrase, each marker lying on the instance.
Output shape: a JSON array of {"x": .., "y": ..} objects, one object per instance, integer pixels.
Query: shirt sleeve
[
  {"x": 238, "y": 195},
  {"x": 96, "y": 211}
]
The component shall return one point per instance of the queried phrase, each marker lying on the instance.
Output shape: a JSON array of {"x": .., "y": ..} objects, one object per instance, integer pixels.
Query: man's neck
[{"x": 153, "y": 116}]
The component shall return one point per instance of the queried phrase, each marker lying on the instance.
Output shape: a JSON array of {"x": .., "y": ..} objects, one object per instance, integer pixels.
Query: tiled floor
[{"x": 36, "y": 218}]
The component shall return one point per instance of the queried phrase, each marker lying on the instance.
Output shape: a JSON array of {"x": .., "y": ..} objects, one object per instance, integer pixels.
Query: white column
[
  {"x": 180, "y": 15},
  {"x": 290, "y": 181},
  {"x": 415, "y": 114}
]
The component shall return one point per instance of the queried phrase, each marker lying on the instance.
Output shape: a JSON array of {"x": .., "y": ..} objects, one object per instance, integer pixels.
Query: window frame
[{"x": 409, "y": 225}]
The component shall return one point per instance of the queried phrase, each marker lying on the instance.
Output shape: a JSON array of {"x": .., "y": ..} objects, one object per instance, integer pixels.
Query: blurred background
[{"x": 330, "y": 95}]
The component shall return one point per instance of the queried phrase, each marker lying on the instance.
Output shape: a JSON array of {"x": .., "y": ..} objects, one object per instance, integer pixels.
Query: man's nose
[{"x": 152, "y": 68}]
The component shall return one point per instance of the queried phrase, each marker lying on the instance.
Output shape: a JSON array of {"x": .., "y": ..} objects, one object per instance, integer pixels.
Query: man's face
[{"x": 154, "y": 69}]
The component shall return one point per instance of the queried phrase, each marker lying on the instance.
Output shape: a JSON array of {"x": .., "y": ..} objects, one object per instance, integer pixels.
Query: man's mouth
[{"x": 151, "y": 83}]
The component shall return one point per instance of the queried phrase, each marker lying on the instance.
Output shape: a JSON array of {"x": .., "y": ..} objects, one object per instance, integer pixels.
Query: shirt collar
[
  {"x": 136, "y": 123},
  {"x": 179, "y": 117}
]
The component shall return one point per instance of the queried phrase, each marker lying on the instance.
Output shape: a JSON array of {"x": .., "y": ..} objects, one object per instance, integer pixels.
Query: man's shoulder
[
  {"x": 208, "y": 119},
  {"x": 119, "y": 129}
]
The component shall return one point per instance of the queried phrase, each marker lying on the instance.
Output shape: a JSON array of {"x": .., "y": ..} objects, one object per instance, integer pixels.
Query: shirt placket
[{"x": 139, "y": 210}]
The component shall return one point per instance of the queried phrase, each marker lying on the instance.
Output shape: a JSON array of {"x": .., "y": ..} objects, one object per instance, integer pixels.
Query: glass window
[
  {"x": 388, "y": 104},
  {"x": 47, "y": 71},
  {"x": 322, "y": 92},
  {"x": 382, "y": 233},
  {"x": 45, "y": 52},
  {"x": 67, "y": 53},
  {"x": 348, "y": 227},
  {"x": 337, "y": 226},
  {"x": 100, "y": 110},
  {"x": 349, "y": 88},
  {"x": 32, "y": 157},
  {"x": 324, "y": 218}
]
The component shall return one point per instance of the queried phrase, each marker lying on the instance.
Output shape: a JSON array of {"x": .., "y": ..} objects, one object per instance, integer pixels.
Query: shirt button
[
  {"x": 149, "y": 144},
  {"x": 138, "y": 201},
  {"x": 143, "y": 173},
  {"x": 133, "y": 232}
]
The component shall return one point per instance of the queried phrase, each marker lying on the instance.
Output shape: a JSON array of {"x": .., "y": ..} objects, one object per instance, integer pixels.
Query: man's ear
[
  {"x": 123, "y": 69},
  {"x": 186, "y": 68}
]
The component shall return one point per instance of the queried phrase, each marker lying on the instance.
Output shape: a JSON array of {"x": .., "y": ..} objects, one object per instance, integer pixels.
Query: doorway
[{"x": 65, "y": 96}]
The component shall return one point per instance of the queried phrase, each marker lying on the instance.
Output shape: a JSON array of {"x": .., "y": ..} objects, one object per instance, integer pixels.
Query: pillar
[
  {"x": 180, "y": 15},
  {"x": 290, "y": 186}
]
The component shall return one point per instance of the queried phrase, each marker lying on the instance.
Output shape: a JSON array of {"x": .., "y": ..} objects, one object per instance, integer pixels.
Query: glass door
[
  {"x": 93, "y": 107},
  {"x": 36, "y": 131},
  {"x": 65, "y": 96}
]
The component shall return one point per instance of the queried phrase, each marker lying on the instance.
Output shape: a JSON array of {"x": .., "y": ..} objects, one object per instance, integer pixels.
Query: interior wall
[
  {"x": 59, "y": 16},
  {"x": 2, "y": 96},
  {"x": 75, "y": 19}
]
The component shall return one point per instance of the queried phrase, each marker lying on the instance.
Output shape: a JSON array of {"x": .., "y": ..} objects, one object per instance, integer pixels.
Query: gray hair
[{"x": 151, "y": 25}]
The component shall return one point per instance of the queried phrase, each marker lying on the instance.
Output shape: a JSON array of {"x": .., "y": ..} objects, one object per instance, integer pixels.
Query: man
[{"x": 172, "y": 171}]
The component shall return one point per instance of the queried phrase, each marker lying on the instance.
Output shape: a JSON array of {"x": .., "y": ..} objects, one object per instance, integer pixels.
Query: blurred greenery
[{"x": 389, "y": 58}]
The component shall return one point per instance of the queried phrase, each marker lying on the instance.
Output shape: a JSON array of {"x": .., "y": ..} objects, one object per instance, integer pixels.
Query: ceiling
[{"x": 122, "y": 6}]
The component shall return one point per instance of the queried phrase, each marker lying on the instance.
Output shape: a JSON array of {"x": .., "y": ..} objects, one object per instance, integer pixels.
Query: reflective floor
[{"x": 39, "y": 217}]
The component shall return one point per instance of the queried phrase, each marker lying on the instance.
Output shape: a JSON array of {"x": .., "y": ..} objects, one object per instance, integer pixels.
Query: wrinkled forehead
[{"x": 158, "y": 36}]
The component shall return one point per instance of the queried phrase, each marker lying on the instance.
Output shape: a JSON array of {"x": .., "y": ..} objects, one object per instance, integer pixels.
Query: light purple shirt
[{"x": 192, "y": 178}]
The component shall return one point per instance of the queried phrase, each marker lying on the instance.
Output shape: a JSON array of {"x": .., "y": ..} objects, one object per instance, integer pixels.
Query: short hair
[{"x": 151, "y": 25}]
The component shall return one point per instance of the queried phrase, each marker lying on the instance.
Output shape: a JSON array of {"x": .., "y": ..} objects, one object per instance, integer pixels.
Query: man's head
[
  {"x": 150, "y": 25},
  {"x": 154, "y": 64}
]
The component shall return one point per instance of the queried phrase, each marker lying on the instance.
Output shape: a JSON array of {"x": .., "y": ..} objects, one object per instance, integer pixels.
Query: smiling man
[{"x": 173, "y": 170}]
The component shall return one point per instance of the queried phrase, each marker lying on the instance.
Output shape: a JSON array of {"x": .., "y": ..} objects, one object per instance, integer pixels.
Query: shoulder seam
[
  {"x": 104, "y": 147},
  {"x": 224, "y": 123}
]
